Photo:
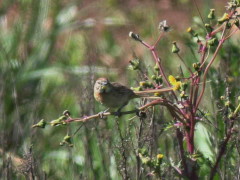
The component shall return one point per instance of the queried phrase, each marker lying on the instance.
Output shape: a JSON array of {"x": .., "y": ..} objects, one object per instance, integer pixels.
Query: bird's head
[{"x": 103, "y": 85}]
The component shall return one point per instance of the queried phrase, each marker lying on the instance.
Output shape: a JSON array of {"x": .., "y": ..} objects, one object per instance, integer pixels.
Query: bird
[{"x": 114, "y": 95}]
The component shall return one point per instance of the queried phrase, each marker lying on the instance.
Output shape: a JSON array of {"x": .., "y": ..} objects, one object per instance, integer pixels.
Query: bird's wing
[{"x": 122, "y": 89}]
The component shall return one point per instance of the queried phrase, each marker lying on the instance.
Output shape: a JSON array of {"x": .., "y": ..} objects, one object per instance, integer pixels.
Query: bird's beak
[
  {"x": 104, "y": 83},
  {"x": 103, "y": 88}
]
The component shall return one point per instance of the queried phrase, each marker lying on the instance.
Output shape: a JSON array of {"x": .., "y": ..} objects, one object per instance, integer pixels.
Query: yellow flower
[
  {"x": 172, "y": 79},
  {"x": 159, "y": 156},
  {"x": 176, "y": 84},
  {"x": 189, "y": 29}
]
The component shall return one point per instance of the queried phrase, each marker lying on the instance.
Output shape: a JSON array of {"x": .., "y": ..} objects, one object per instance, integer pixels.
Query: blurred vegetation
[{"x": 51, "y": 54}]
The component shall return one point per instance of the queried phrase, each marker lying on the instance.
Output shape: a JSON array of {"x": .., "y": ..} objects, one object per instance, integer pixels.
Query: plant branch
[{"x": 205, "y": 73}]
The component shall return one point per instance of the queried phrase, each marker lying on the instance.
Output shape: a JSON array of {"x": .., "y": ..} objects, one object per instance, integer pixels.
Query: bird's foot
[{"x": 101, "y": 114}]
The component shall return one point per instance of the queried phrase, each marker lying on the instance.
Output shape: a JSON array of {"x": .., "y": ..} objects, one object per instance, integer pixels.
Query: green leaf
[{"x": 203, "y": 143}]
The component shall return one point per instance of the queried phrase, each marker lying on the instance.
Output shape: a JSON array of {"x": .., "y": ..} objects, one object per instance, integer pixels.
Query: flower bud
[
  {"x": 182, "y": 94},
  {"x": 224, "y": 18},
  {"x": 134, "y": 64},
  {"x": 236, "y": 22},
  {"x": 196, "y": 66},
  {"x": 66, "y": 140},
  {"x": 212, "y": 42},
  {"x": 59, "y": 121},
  {"x": 163, "y": 26},
  {"x": 175, "y": 48},
  {"x": 146, "y": 160},
  {"x": 156, "y": 67},
  {"x": 157, "y": 94},
  {"x": 153, "y": 77},
  {"x": 40, "y": 124},
  {"x": 211, "y": 14},
  {"x": 227, "y": 103},
  {"x": 66, "y": 113},
  {"x": 192, "y": 32},
  {"x": 159, "y": 156},
  {"x": 142, "y": 83},
  {"x": 159, "y": 79},
  {"x": 137, "y": 88},
  {"x": 134, "y": 36},
  {"x": 208, "y": 28},
  {"x": 222, "y": 98}
]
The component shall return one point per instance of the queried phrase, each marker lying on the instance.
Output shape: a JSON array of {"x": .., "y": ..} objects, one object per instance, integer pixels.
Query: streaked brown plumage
[
  {"x": 115, "y": 95},
  {"x": 112, "y": 95}
]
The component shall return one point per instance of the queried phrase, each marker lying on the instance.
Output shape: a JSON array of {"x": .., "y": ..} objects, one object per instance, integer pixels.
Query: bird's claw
[{"x": 101, "y": 114}]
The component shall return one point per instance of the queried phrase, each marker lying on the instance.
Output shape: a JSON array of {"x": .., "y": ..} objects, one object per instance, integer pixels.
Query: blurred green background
[{"x": 51, "y": 53}]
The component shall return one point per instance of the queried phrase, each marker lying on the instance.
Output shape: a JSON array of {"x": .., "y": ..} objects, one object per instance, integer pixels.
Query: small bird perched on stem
[{"x": 115, "y": 95}]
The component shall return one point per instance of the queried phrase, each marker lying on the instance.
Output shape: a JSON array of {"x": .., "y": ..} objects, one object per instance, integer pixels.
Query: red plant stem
[
  {"x": 191, "y": 134},
  {"x": 220, "y": 28},
  {"x": 179, "y": 136},
  {"x": 152, "y": 49},
  {"x": 159, "y": 65},
  {"x": 196, "y": 82},
  {"x": 146, "y": 44},
  {"x": 233, "y": 32},
  {"x": 161, "y": 69},
  {"x": 191, "y": 92},
  {"x": 188, "y": 140},
  {"x": 159, "y": 37},
  {"x": 157, "y": 61},
  {"x": 205, "y": 73},
  {"x": 195, "y": 94}
]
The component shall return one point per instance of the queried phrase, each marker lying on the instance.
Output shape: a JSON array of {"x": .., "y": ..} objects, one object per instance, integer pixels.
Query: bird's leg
[
  {"x": 102, "y": 112},
  {"x": 118, "y": 113}
]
